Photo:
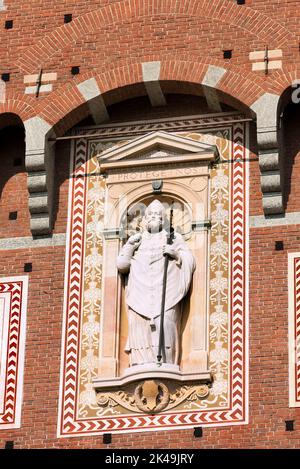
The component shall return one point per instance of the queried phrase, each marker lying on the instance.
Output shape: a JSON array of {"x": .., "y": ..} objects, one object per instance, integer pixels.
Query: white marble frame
[
  {"x": 18, "y": 370},
  {"x": 293, "y": 330},
  {"x": 68, "y": 424}
]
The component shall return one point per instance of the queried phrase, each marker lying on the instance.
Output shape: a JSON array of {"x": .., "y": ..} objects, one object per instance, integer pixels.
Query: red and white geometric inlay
[
  {"x": 13, "y": 306},
  {"x": 294, "y": 329},
  {"x": 236, "y": 412},
  {"x": 238, "y": 273}
]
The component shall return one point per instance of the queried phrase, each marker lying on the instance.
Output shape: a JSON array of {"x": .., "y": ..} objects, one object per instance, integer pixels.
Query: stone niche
[{"x": 173, "y": 168}]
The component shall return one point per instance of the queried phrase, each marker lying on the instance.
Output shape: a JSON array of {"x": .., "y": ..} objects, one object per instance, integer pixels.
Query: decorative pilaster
[{"x": 110, "y": 321}]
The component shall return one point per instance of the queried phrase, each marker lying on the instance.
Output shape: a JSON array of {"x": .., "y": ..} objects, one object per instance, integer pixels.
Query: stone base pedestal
[
  {"x": 151, "y": 388},
  {"x": 151, "y": 371}
]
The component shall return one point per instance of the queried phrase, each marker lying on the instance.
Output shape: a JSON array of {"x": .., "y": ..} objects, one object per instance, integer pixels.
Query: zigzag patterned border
[
  {"x": 14, "y": 291},
  {"x": 71, "y": 344},
  {"x": 169, "y": 125},
  {"x": 297, "y": 328},
  {"x": 237, "y": 413},
  {"x": 294, "y": 328}
]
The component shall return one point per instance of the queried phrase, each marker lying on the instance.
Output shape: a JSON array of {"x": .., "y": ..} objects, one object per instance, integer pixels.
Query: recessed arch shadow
[{"x": 12, "y": 156}]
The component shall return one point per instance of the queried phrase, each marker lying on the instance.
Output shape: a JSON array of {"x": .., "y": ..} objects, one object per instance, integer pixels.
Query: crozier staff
[
  {"x": 161, "y": 343},
  {"x": 142, "y": 258}
]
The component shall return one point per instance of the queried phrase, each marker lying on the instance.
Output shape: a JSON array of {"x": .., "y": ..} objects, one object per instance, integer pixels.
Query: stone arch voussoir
[{"x": 66, "y": 106}]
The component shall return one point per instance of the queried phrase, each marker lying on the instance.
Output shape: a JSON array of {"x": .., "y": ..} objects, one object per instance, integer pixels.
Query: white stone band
[{"x": 8, "y": 244}]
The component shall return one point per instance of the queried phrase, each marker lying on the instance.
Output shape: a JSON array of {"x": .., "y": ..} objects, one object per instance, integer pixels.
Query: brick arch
[
  {"x": 19, "y": 106},
  {"x": 245, "y": 18},
  {"x": 288, "y": 94},
  {"x": 65, "y": 107}
]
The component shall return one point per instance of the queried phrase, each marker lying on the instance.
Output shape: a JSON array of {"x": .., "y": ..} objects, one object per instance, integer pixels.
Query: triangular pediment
[{"x": 156, "y": 145}]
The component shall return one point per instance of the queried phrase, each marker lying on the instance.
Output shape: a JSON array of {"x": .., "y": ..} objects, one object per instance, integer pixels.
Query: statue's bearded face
[{"x": 154, "y": 219}]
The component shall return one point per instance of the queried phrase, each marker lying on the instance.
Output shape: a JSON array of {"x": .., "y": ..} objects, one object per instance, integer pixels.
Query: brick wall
[{"x": 110, "y": 40}]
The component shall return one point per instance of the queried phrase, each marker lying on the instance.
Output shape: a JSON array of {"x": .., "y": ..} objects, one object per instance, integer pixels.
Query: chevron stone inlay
[
  {"x": 238, "y": 252},
  {"x": 236, "y": 411},
  {"x": 75, "y": 276},
  {"x": 297, "y": 327},
  {"x": 294, "y": 329},
  {"x": 13, "y": 296}
]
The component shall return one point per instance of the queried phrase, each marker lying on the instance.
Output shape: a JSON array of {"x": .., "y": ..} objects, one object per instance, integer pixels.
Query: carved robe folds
[{"x": 144, "y": 295}]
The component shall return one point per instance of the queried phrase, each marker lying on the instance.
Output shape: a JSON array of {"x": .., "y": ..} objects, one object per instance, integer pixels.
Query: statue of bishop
[{"x": 142, "y": 259}]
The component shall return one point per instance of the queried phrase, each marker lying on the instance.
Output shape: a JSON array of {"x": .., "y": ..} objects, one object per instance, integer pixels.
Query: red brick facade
[{"x": 109, "y": 41}]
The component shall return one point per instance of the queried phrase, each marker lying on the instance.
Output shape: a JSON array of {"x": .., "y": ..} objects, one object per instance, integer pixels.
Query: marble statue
[{"x": 142, "y": 259}]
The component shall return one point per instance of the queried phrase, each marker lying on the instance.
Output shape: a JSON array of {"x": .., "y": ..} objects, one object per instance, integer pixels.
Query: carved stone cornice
[{"x": 169, "y": 125}]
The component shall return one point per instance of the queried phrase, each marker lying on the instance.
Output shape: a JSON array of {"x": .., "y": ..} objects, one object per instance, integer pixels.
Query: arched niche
[
  {"x": 171, "y": 168},
  {"x": 14, "y": 212}
]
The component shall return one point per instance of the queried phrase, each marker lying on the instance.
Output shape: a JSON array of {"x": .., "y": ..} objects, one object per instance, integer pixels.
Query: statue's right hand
[{"x": 135, "y": 239}]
